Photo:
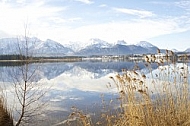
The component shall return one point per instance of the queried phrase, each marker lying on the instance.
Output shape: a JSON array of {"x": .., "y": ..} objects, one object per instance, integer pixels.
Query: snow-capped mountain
[
  {"x": 7, "y": 46},
  {"x": 51, "y": 48},
  {"x": 121, "y": 42},
  {"x": 98, "y": 43},
  {"x": 120, "y": 48},
  {"x": 94, "y": 46},
  {"x": 13, "y": 45},
  {"x": 174, "y": 50},
  {"x": 187, "y": 50},
  {"x": 145, "y": 44},
  {"x": 75, "y": 46},
  {"x": 35, "y": 46},
  {"x": 92, "y": 43},
  {"x": 148, "y": 46}
]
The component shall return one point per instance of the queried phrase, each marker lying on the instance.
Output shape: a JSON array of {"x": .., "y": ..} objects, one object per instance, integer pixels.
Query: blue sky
[{"x": 164, "y": 23}]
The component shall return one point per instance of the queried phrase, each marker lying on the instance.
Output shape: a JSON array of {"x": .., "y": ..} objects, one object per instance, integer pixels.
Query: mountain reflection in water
[{"x": 79, "y": 84}]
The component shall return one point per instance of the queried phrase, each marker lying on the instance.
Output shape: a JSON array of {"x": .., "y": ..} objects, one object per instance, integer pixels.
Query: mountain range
[
  {"x": 35, "y": 47},
  {"x": 94, "y": 46}
]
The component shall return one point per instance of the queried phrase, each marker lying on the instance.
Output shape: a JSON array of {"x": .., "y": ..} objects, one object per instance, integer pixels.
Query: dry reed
[
  {"x": 5, "y": 116},
  {"x": 160, "y": 98}
]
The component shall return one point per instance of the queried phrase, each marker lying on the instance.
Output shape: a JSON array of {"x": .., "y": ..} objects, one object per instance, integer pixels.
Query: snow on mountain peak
[
  {"x": 52, "y": 44},
  {"x": 98, "y": 43},
  {"x": 121, "y": 42},
  {"x": 92, "y": 43},
  {"x": 75, "y": 46},
  {"x": 175, "y": 50},
  {"x": 145, "y": 44},
  {"x": 49, "y": 41},
  {"x": 35, "y": 45},
  {"x": 187, "y": 50}
]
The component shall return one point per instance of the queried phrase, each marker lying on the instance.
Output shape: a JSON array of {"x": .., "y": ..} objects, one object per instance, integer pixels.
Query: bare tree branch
[{"x": 28, "y": 93}]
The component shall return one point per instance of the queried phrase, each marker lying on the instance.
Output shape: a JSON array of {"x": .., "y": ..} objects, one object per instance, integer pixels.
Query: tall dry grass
[
  {"x": 155, "y": 99},
  {"x": 5, "y": 116}
]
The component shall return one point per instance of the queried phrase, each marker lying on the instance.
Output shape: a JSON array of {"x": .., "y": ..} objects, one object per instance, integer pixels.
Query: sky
[{"x": 164, "y": 23}]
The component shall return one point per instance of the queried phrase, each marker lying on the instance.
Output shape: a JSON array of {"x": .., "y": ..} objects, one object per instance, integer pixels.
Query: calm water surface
[{"x": 81, "y": 84}]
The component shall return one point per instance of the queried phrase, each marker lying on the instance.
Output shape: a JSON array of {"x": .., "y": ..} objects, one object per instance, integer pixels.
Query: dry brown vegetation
[
  {"x": 160, "y": 98},
  {"x": 5, "y": 115}
]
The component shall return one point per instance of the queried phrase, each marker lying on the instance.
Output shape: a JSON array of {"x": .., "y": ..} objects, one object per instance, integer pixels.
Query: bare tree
[{"x": 27, "y": 91}]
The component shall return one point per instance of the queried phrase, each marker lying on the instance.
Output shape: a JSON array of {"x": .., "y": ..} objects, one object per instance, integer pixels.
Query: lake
[{"x": 84, "y": 85}]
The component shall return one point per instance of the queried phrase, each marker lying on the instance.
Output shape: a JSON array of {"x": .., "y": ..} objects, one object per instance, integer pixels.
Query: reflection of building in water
[
  {"x": 113, "y": 58},
  {"x": 131, "y": 57}
]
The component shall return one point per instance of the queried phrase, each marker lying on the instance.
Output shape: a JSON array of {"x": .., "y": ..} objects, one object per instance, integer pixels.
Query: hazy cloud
[
  {"x": 103, "y": 5},
  {"x": 140, "y": 13},
  {"x": 131, "y": 31},
  {"x": 161, "y": 3},
  {"x": 64, "y": 22},
  {"x": 183, "y": 4},
  {"x": 13, "y": 18},
  {"x": 85, "y": 1}
]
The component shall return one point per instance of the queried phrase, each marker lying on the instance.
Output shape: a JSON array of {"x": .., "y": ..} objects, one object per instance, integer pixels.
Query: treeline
[
  {"x": 56, "y": 57},
  {"x": 12, "y": 57},
  {"x": 22, "y": 57}
]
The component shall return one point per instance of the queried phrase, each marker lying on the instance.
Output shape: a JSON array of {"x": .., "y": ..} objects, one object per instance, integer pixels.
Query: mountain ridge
[
  {"x": 94, "y": 46},
  {"x": 35, "y": 46}
]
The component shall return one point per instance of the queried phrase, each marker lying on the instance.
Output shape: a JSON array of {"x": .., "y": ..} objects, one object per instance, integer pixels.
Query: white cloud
[
  {"x": 13, "y": 17},
  {"x": 131, "y": 31},
  {"x": 45, "y": 22},
  {"x": 21, "y": 1},
  {"x": 75, "y": 19},
  {"x": 140, "y": 13},
  {"x": 85, "y": 1},
  {"x": 163, "y": 3},
  {"x": 48, "y": 22},
  {"x": 4, "y": 1},
  {"x": 103, "y": 5},
  {"x": 183, "y": 4}
]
